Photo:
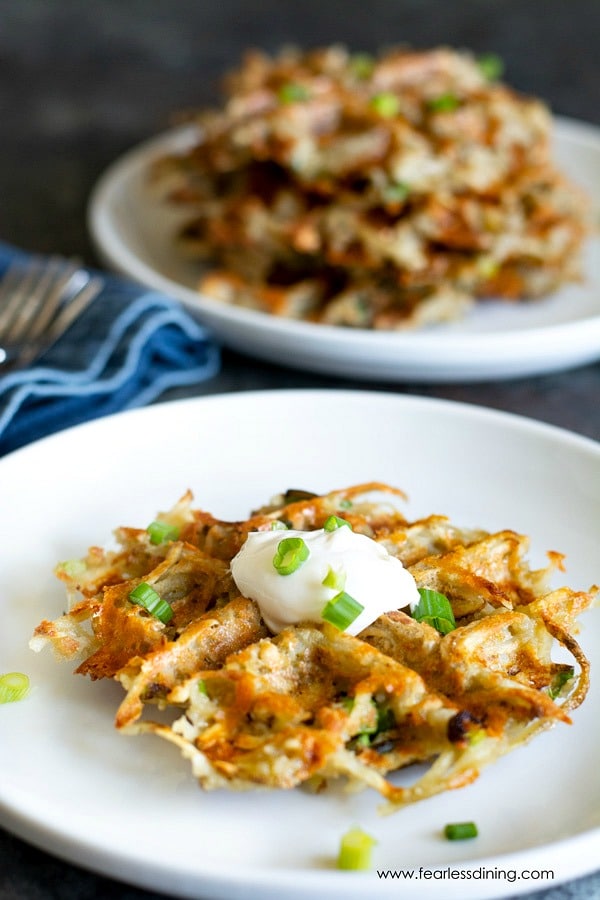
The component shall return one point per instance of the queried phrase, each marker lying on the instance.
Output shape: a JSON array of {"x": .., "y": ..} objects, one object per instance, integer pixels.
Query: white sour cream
[{"x": 374, "y": 578}]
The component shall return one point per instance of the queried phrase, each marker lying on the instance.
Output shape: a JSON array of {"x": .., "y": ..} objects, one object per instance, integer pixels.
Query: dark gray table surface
[{"x": 81, "y": 82}]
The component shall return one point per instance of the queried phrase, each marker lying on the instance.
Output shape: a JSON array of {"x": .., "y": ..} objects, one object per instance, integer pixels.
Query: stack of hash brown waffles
[
  {"x": 385, "y": 192},
  {"x": 313, "y": 703}
]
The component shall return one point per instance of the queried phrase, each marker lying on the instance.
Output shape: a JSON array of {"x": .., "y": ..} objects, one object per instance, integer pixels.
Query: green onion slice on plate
[
  {"x": 355, "y": 850},
  {"x": 145, "y": 595},
  {"x": 13, "y": 686},
  {"x": 386, "y": 104},
  {"x": 335, "y": 580},
  {"x": 434, "y": 609},
  {"x": 161, "y": 532},
  {"x": 460, "y": 831},
  {"x": 292, "y": 93},
  {"x": 335, "y": 522},
  {"x": 342, "y": 610},
  {"x": 444, "y": 103},
  {"x": 491, "y": 66},
  {"x": 291, "y": 553}
]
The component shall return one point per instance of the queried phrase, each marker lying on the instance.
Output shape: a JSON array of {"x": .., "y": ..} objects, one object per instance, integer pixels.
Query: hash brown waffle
[
  {"x": 251, "y": 709},
  {"x": 385, "y": 192}
]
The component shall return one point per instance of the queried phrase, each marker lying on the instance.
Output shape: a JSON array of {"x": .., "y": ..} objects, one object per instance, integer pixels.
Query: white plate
[
  {"x": 127, "y": 806},
  {"x": 133, "y": 233}
]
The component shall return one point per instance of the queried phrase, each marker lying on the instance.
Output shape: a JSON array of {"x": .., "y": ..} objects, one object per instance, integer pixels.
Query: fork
[{"x": 39, "y": 300}]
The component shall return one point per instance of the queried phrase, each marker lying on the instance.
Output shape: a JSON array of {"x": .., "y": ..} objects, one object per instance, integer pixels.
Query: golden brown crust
[{"x": 312, "y": 703}]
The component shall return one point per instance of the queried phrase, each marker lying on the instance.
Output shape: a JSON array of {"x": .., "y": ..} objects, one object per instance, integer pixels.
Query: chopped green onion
[
  {"x": 335, "y": 580},
  {"x": 491, "y": 66},
  {"x": 559, "y": 681},
  {"x": 460, "y": 831},
  {"x": 476, "y": 736},
  {"x": 291, "y": 553},
  {"x": 13, "y": 686},
  {"x": 362, "y": 65},
  {"x": 487, "y": 267},
  {"x": 342, "y": 610},
  {"x": 443, "y": 103},
  {"x": 346, "y": 504},
  {"x": 386, "y": 104},
  {"x": 434, "y": 609},
  {"x": 292, "y": 93},
  {"x": 385, "y": 718},
  {"x": 384, "y": 722},
  {"x": 146, "y": 596},
  {"x": 201, "y": 686},
  {"x": 72, "y": 567},
  {"x": 278, "y": 525},
  {"x": 396, "y": 193},
  {"x": 348, "y": 703},
  {"x": 355, "y": 850},
  {"x": 161, "y": 532},
  {"x": 334, "y": 522}
]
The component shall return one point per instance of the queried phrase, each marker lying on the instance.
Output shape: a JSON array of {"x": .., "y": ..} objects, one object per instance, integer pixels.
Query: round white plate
[
  {"x": 128, "y": 806},
  {"x": 134, "y": 235}
]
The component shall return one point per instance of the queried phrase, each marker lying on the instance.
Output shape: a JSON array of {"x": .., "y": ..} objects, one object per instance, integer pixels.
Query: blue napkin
[{"x": 128, "y": 347}]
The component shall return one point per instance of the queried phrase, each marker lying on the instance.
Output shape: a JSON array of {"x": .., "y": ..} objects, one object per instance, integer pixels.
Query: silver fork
[{"x": 39, "y": 300}]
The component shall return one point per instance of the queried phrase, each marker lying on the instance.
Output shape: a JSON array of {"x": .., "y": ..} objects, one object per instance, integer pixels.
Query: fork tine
[
  {"x": 39, "y": 300},
  {"x": 16, "y": 284},
  {"x": 72, "y": 308},
  {"x": 58, "y": 293},
  {"x": 41, "y": 286}
]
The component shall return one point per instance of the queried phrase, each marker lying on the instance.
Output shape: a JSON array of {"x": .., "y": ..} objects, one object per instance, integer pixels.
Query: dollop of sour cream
[{"x": 371, "y": 575}]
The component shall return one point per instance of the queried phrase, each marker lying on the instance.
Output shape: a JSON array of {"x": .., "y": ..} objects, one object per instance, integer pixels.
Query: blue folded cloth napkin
[{"x": 128, "y": 347}]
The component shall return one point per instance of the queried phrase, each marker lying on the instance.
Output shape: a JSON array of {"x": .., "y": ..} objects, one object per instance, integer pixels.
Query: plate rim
[
  {"x": 467, "y": 407},
  {"x": 498, "y": 347}
]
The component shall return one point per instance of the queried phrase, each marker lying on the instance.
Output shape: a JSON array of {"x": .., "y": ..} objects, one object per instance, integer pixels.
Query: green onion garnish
[
  {"x": 487, "y": 267},
  {"x": 476, "y": 736},
  {"x": 335, "y": 580},
  {"x": 346, "y": 504},
  {"x": 460, "y": 831},
  {"x": 201, "y": 685},
  {"x": 443, "y": 103},
  {"x": 434, "y": 609},
  {"x": 13, "y": 686},
  {"x": 386, "y": 104},
  {"x": 385, "y": 722},
  {"x": 385, "y": 718},
  {"x": 342, "y": 610},
  {"x": 334, "y": 522},
  {"x": 72, "y": 567},
  {"x": 491, "y": 66},
  {"x": 355, "y": 850},
  {"x": 278, "y": 525},
  {"x": 291, "y": 553},
  {"x": 292, "y": 93},
  {"x": 146, "y": 596},
  {"x": 348, "y": 703},
  {"x": 559, "y": 681},
  {"x": 396, "y": 193},
  {"x": 161, "y": 532},
  {"x": 362, "y": 65}
]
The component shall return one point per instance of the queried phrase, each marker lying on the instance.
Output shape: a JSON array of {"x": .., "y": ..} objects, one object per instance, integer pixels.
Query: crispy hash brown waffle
[
  {"x": 385, "y": 192},
  {"x": 313, "y": 703}
]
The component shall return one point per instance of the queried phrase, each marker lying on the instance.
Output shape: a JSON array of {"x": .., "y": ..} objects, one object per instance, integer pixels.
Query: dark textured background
[{"x": 80, "y": 82}]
